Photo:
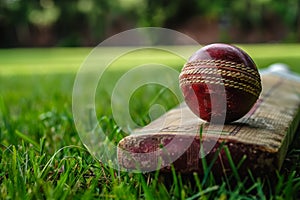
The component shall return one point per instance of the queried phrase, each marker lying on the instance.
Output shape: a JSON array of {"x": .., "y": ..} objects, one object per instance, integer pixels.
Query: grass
[{"x": 42, "y": 157}]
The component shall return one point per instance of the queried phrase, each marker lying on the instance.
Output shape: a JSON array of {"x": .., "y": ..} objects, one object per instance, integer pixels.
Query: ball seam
[
  {"x": 223, "y": 63},
  {"x": 222, "y": 72},
  {"x": 219, "y": 81}
]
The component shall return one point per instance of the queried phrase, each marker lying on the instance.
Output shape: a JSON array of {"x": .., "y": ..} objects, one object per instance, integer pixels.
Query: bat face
[{"x": 262, "y": 136}]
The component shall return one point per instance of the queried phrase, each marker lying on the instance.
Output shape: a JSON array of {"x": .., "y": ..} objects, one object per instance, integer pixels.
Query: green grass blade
[
  {"x": 43, "y": 172},
  {"x": 146, "y": 189},
  {"x": 27, "y": 139},
  {"x": 204, "y": 192},
  {"x": 232, "y": 164}
]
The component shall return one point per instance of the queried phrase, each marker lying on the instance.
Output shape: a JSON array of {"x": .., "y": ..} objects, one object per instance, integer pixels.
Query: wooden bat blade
[{"x": 261, "y": 138}]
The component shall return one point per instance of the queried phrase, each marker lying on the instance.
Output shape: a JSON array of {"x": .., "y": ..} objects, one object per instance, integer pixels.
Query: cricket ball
[{"x": 220, "y": 83}]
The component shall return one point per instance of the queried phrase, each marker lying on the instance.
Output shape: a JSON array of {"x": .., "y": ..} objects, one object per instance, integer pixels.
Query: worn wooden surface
[{"x": 261, "y": 138}]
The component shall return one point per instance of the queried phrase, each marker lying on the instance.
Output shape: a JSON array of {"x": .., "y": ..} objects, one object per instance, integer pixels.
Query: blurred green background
[{"x": 32, "y": 23}]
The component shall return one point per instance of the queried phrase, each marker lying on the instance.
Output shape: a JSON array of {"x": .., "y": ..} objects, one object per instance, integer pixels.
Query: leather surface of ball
[{"x": 220, "y": 83}]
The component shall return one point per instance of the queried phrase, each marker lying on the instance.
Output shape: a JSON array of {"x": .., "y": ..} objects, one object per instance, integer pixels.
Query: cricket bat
[{"x": 257, "y": 142}]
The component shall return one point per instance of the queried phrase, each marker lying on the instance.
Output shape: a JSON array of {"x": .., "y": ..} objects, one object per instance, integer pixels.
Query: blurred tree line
[{"x": 88, "y": 22}]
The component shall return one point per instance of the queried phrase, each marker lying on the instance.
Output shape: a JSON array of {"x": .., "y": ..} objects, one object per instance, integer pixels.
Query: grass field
[{"x": 42, "y": 157}]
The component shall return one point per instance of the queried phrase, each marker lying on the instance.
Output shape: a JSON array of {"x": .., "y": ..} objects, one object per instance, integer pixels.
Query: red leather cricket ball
[{"x": 220, "y": 83}]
